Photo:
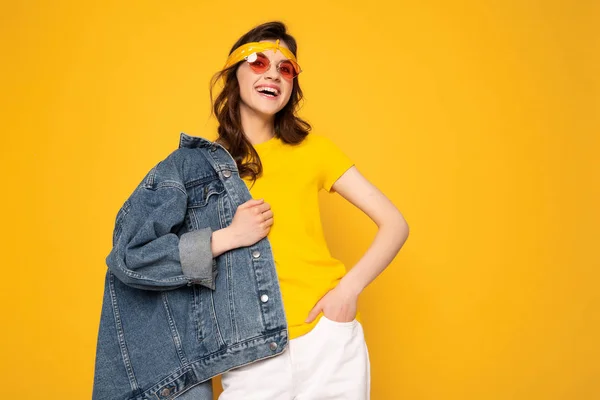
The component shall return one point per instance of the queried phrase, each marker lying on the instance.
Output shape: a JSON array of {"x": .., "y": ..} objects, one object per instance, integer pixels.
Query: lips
[{"x": 268, "y": 91}]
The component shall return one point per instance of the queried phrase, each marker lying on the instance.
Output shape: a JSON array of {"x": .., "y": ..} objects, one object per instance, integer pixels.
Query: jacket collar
[{"x": 193, "y": 141}]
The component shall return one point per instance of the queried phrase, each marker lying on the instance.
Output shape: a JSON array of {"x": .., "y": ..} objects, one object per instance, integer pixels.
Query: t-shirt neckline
[{"x": 266, "y": 144}]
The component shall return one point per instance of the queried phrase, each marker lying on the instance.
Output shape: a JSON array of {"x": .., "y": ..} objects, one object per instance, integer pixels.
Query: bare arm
[
  {"x": 339, "y": 304},
  {"x": 391, "y": 235},
  {"x": 221, "y": 242}
]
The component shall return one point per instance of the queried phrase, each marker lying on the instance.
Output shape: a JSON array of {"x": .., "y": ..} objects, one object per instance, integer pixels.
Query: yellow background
[{"x": 478, "y": 119}]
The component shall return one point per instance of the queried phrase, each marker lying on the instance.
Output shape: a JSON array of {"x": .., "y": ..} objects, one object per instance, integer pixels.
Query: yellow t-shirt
[{"x": 290, "y": 182}]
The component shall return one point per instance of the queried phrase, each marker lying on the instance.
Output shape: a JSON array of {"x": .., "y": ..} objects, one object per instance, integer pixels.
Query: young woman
[
  {"x": 286, "y": 166},
  {"x": 219, "y": 264}
]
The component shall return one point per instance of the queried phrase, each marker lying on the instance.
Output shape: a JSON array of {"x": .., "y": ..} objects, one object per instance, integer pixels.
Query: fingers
[
  {"x": 266, "y": 220},
  {"x": 263, "y": 215},
  {"x": 267, "y": 215},
  {"x": 261, "y": 208},
  {"x": 313, "y": 314},
  {"x": 267, "y": 223},
  {"x": 251, "y": 203}
]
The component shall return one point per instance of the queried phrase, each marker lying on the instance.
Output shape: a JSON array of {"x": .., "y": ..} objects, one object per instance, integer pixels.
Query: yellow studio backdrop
[{"x": 479, "y": 119}]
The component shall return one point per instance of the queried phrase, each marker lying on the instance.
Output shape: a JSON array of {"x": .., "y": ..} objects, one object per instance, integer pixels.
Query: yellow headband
[{"x": 245, "y": 50}]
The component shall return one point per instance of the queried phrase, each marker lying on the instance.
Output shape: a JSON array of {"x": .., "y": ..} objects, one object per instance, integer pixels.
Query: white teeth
[{"x": 269, "y": 89}]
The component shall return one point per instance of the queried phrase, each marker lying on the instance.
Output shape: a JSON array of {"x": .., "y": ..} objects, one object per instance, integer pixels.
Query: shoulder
[
  {"x": 316, "y": 138},
  {"x": 323, "y": 146},
  {"x": 319, "y": 143},
  {"x": 179, "y": 168}
]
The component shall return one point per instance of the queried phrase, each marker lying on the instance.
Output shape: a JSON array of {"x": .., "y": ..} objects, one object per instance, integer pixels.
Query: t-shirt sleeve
[{"x": 333, "y": 163}]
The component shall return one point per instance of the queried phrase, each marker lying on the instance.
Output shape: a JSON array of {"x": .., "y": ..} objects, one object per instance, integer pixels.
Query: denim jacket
[{"x": 172, "y": 315}]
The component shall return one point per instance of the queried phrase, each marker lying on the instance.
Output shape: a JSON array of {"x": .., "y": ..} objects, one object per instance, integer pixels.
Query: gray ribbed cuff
[{"x": 196, "y": 258}]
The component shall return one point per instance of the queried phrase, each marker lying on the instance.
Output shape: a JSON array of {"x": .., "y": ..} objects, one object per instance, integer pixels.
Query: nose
[{"x": 273, "y": 73}]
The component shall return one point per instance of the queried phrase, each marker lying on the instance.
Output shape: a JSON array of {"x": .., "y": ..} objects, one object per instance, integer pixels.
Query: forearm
[
  {"x": 388, "y": 241},
  {"x": 222, "y": 240}
]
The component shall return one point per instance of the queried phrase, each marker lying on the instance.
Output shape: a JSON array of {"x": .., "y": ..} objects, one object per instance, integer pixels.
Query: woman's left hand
[{"x": 337, "y": 305}]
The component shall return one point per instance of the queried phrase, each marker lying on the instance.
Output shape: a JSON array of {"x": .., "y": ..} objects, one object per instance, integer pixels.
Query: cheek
[
  {"x": 288, "y": 94},
  {"x": 246, "y": 87},
  {"x": 244, "y": 92}
]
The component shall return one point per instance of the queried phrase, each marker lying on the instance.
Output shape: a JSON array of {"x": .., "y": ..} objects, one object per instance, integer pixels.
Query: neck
[{"x": 257, "y": 127}]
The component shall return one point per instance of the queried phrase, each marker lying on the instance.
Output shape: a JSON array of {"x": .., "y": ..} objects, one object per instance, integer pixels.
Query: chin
[{"x": 270, "y": 111}]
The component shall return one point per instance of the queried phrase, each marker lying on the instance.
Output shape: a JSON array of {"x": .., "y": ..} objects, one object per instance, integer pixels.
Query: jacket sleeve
[{"x": 147, "y": 253}]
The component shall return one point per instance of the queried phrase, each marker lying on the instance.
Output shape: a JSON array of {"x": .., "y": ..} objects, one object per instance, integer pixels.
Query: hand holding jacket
[{"x": 252, "y": 222}]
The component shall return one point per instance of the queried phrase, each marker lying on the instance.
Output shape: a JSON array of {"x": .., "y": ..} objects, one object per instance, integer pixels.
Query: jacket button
[
  {"x": 264, "y": 298},
  {"x": 273, "y": 346},
  {"x": 165, "y": 392},
  {"x": 213, "y": 148},
  {"x": 226, "y": 173},
  {"x": 256, "y": 254}
]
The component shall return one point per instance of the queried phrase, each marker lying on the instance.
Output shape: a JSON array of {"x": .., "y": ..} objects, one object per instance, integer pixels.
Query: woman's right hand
[{"x": 252, "y": 222}]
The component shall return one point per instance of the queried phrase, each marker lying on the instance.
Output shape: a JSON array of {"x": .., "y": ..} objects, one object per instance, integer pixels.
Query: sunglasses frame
[{"x": 295, "y": 67}]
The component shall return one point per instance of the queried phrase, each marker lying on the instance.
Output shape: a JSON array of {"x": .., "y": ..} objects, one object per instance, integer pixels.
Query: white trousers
[{"x": 330, "y": 362}]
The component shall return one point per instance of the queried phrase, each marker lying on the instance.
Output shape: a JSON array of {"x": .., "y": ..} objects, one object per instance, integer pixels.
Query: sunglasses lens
[
  {"x": 258, "y": 62},
  {"x": 286, "y": 69}
]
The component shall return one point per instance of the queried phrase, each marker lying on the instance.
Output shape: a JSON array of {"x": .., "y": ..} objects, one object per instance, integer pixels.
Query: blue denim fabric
[{"x": 172, "y": 316}]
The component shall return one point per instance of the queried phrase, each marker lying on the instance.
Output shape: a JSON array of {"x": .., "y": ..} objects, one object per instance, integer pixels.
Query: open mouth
[{"x": 268, "y": 92}]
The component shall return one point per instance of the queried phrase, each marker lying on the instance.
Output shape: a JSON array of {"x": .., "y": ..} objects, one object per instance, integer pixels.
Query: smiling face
[{"x": 265, "y": 93}]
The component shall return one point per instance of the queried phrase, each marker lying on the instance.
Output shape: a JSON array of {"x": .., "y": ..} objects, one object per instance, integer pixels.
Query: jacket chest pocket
[{"x": 205, "y": 193}]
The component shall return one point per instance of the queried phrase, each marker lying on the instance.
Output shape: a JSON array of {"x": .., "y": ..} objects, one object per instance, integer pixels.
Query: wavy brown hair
[{"x": 290, "y": 128}]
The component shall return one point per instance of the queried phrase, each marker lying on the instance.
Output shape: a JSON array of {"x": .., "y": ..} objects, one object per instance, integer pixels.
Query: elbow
[
  {"x": 395, "y": 224},
  {"x": 404, "y": 229},
  {"x": 401, "y": 227},
  {"x": 405, "y": 226}
]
